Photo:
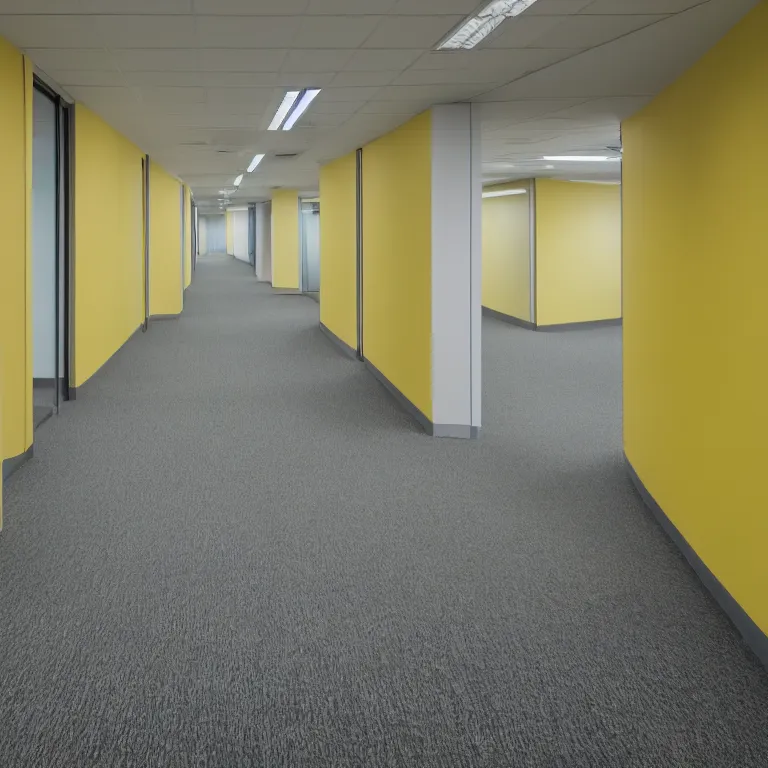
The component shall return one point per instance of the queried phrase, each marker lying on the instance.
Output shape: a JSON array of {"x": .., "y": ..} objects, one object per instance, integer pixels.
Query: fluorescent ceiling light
[
  {"x": 238, "y": 180},
  {"x": 256, "y": 160},
  {"x": 307, "y": 98},
  {"x": 477, "y": 28},
  {"x": 505, "y": 193},
  {"x": 582, "y": 159},
  {"x": 282, "y": 111}
]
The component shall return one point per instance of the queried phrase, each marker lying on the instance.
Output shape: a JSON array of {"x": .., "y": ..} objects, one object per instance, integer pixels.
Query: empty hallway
[{"x": 234, "y": 549}]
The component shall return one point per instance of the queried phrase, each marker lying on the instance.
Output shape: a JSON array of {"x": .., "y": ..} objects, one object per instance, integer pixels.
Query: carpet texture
[{"x": 235, "y": 550}]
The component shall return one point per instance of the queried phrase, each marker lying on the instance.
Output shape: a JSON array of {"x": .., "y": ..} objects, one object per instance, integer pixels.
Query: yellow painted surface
[
  {"x": 285, "y": 238},
  {"x": 165, "y": 262},
  {"x": 397, "y": 253},
  {"x": 187, "y": 236},
  {"x": 109, "y": 257},
  {"x": 229, "y": 220},
  {"x": 696, "y": 316},
  {"x": 338, "y": 248},
  {"x": 507, "y": 251},
  {"x": 15, "y": 261},
  {"x": 578, "y": 252}
]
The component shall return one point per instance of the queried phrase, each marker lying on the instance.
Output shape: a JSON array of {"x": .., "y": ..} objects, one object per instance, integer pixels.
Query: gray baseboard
[
  {"x": 488, "y": 312},
  {"x": 339, "y": 343},
  {"x": 585, "y": 326},
  {"x": 10, "y": 465},
  {"x": 755, "y": 638},
  {"x": 75, "y": 392},
  {"x": 152, "y": 318},
  {"x": 460, "y": 431}
]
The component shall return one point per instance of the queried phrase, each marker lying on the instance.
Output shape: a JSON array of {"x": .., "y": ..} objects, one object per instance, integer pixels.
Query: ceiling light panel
[
  {"x": 477, "y": 28},
  {"x": 307, "y": 98},
  {"x": 505, "y": 193},
  {"x": 282, "y": 111}
]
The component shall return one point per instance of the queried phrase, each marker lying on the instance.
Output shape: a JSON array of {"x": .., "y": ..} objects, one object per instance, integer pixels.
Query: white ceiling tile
[
  {"x": 411, "y": 31},
  {"x": 185, "y": 79},
  {"x": 294, "y": 80},
  {"x": 93, "y": 96},
  {"x": 639, "y": 6},
  {"x": 319, "y": 60},
  {"x": 349, "y": 7},
  {"x": 334, "y": 31},
  {"x": 88, "y": 77},
  {"x": 373, "y": 60},
  {"x": 336, "y": 107},
  {"x": 247, "y": 31},
  {"x": 250, "y": 7},
  {"x": 401, "y": 107},
  {"x": 438, "y": 93},
  {"x": 590, "y": 31},
  {"x": 523, "y": 31},
  {"x": 443, "y": 77},
  {"x": 79, "y": 7},
  {"x": 145, "y": 31},
  {"x": 241, "y": 59},
  {"x": 363, "y": 78},
  {"x": 347, "y": 94},
  {"x": 433, "y": 8},
  {"x": 238, "y": 79},
  {"x": 240, "y": 95},
  {"x": 51, "y": 31},
  {"x": 557, "y": 7},
  {"x": 55, "y": 59},
  {"x": 168, "y": 94},
  {"x": 155, "y": 60}
]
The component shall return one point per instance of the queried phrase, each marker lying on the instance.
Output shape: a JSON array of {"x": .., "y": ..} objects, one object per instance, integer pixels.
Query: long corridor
[{"x": 235, "y": 550}]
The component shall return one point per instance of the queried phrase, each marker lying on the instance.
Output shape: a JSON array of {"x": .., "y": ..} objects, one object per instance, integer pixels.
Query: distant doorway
[{"x": 310, "y": 246}]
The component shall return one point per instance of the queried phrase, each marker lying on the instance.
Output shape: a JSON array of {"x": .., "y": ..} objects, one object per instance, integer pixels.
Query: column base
[
  {"x": 582, "y": 326},
  {"x": 460, "y": 431}
]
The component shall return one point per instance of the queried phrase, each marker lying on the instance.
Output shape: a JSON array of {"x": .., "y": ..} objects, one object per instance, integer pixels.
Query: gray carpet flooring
[{"x": 235, "y": 550}]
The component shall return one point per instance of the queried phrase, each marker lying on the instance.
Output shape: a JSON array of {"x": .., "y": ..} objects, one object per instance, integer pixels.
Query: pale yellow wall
[
  {"x": 696, "y": 316},
  {"x": 229, "y": 221},
  {"x": 15, "y": 261},
  {"x": 397, "y": 252},
  {"x": 285, "y": 238},
  {"x": 578, "y": 252},
  {"x": 338, "y": 248},
  {"x": 187, "y": 236},
  {"x": 507, "y": 251},
  {"x": 165, "y": 262},
  {"x": 109, "y": 257}
]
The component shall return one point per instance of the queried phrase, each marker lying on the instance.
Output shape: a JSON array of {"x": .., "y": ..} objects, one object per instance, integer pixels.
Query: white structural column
[
  {"x": 264, "y": 242},
  {"x": 456, "y": 276},
  {"x": 240, "y": 231}
]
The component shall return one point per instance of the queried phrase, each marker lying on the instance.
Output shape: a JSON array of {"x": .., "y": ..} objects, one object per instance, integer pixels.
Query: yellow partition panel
[
  {"x": 578, "y": 252},
  {"x": 507, "y": 250},
  {"x": 109, "y": 255},
  {"x": 285, "y": 238},
  {"x": 229, "y": 220},
  {"x": 338, "y": 248},
  {"x": 187, "y": 236},
  {"x": 696, "y": 316},
  {"x": 397, "y": 254},
  {"x": 165, "y": 257},
  {"x": 15, "y": 261}
]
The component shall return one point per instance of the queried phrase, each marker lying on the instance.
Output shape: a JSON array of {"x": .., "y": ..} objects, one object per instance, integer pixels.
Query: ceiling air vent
[{"x": 286, "y": 155}]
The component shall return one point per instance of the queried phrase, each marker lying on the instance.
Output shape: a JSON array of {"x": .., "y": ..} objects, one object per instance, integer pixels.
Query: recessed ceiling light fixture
[
  {"x": 582, "y": 159},
  {"x": 505, "y": 193},
  {"x": 254, "y": 163},
  {"x": 282, "y": 111},
  {"x": 478, "y": 27},
  {"x": 239, "y": 180},
  {"x": 307, "y": 97}
]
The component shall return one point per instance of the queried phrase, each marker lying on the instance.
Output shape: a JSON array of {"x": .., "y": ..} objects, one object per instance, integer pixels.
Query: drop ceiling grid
[{"x": 168, "y": 72}]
